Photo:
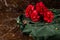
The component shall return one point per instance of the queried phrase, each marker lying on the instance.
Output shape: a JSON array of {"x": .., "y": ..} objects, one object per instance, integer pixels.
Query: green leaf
[
  {"x": 46, "y": 30},
  {"x": 27, "y": 28},
  {"x": 39, "y": 29}
]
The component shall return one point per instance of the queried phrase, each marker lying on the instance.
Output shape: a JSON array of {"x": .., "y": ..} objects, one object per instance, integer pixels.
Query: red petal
[{"x": 29, "y": 10}]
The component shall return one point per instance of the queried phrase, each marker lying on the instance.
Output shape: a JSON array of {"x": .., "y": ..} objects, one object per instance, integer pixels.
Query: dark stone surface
[{"x": 9, "y": 30}]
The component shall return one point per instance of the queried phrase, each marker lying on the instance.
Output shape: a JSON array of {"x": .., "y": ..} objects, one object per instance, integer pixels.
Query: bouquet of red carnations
[
  {"x": 39, "y": 12},
  {"x": 39, "y": 21}
]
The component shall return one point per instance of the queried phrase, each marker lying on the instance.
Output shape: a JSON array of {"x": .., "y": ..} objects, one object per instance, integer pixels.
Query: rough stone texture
[{"x": 9, "y": 30}]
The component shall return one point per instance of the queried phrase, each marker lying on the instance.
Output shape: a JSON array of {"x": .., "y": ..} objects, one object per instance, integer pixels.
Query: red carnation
[
  {"x": 48, "y": 16},
  {"x": 29, "y": 10},
  {"x": 41, "y": 10},
  {"x": 40, "y": 7},
  {"x": 34, "y": 16}
]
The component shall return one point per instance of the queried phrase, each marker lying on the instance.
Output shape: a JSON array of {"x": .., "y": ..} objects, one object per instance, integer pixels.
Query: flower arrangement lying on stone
[
  {"x": 38, "y": 21},
  {"x": 35, "y": 13}
]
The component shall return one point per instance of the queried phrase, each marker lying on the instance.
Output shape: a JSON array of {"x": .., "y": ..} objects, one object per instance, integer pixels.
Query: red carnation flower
[
  {"x": 34, "y": 16},
  {"x": 40, "y": 7},
  {"x": 41, "y": 10},
  {"x": 29, "y": 10},
  {"x": 48, "y": 16}
]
